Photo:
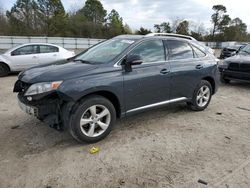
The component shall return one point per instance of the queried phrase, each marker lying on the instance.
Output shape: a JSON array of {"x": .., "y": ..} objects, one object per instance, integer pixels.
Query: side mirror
[{"x": 130, "y": 61}]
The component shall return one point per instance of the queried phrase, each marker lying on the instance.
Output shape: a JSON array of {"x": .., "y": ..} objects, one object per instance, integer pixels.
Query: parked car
[
  {"x": 117, "y": 78},
  {"x": 236, "y": 67},
  {"x": 230, "y": 51},
  {"x": 25, "y": 56}
]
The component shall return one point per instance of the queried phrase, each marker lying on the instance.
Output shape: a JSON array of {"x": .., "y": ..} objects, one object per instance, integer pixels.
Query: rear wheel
[
  {"x": 4, "y": 70},
  {"x": 93, "y": 119},
  {"x": 201, "y": 96}
]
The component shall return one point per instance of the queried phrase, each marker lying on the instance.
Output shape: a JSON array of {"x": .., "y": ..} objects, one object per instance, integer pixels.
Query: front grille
[
  {"x": 20, "y": 86},
  {"x": 241, "y": 67}
]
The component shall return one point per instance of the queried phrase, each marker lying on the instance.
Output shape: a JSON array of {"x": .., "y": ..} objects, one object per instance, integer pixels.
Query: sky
[{"x": 146, "y": 13}]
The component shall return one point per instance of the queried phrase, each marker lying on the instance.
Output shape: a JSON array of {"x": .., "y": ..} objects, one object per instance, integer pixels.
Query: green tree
[
  {"x": 53, "y": 18},
  {"x": 94, "y": 11},
  {"x": 219, "y": 19},
  {"x": 115, "y": 23},
  {"x": 3, "y": 23},
  {"x": 236, "y": 31},
  {"x": 164, "y": 27},
  {"x": 143, "y": 31},
  {"x": 23, "y": 18},
  {"x": 183, "y": 28},
  {"x": 127, "y": 29}
]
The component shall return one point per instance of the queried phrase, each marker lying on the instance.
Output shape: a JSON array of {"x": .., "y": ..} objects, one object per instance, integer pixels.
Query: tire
[
  {"x": 4, "y": 70},
  {"x": 93, "y": 127},
  {"x": 224, "y": 80},
  {"x": 200, "y": 100}
]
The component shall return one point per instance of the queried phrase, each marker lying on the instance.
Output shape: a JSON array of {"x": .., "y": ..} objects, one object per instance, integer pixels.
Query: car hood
[
  {"x": 238, "y": 59},
  {"x": 61, "y": 70}
]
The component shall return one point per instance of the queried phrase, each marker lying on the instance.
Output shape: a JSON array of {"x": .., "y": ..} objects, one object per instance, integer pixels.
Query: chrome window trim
[
  {"x": 117, "y": 65},
  {"x": 157, "y": 104}
]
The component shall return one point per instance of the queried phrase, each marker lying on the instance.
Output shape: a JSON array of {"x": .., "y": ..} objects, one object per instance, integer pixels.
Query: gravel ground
[{"x": 169, "y": 147}]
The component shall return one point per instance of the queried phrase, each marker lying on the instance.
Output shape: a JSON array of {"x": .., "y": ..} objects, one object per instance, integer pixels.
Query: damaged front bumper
[{"x": 50, "y": 109}]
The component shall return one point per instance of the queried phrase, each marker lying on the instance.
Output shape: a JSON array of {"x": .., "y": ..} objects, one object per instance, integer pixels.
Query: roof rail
[{"x": 170, "y": 35}]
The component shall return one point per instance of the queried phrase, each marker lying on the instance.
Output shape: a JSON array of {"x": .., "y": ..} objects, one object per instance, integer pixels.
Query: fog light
[{"x": 29, "y": 98}]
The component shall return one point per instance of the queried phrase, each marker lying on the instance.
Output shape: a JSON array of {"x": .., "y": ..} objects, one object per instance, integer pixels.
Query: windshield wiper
[{"x": 82, "y": 61}]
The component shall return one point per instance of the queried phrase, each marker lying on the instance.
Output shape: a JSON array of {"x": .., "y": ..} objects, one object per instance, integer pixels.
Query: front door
[
  {"x": 148, "y": 83},
  {"x": 25, "y": 57}
]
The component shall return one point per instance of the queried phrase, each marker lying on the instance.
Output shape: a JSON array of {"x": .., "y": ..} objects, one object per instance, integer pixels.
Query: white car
[{"x": 28, "y": 55}]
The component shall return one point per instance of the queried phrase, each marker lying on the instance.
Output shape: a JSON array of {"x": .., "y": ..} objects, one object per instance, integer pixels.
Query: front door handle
[
  {"x": 199, "y": 66},
  {"x": 164, "y": 71}
]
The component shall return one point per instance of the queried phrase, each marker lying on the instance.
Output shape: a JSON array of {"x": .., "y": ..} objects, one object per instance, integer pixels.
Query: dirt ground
[{"x": 169, "y": 147}]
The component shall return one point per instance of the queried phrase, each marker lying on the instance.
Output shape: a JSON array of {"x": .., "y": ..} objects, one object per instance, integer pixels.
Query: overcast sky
[{"x": 146, "y": 13}]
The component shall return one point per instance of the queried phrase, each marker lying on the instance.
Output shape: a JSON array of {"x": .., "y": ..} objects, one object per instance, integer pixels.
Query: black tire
[
  {"x": 193, "y": 105},
  {"x": 224, "y": 80},
  {"x": 80, "y": 109},
  {"x": 4, "y": 70}
]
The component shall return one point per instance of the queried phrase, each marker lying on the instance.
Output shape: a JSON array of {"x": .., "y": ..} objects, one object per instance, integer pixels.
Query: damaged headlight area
[{"x": 42, "y": 87}]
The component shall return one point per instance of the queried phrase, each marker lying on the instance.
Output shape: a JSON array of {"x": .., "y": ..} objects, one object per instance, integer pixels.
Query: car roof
[
  {"x": 26, "y": 44},
  {"x": 35, "y": 43},
  {"x": 158, "y": 35}
]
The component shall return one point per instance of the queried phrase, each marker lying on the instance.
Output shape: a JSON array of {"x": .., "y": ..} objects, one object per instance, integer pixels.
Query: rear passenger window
[
  {"x": 179, "y": 50},
  {"x": 150, "y": 51},
  {"x": 198, "y": 53},
  {"x": 48, "y": 49}
]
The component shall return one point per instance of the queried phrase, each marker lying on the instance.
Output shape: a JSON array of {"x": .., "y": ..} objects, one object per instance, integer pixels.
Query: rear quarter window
[
  {"x": 48, "y": 49},
  {"x": 198, "y": 53},
  {"x": 179, "y": 50}
]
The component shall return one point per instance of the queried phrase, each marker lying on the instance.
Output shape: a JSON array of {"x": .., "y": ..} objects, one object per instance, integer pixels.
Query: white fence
[{"x": 7, "y": 42}]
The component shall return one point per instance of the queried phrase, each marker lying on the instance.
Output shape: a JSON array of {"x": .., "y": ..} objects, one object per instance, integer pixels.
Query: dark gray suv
[{"x": 116, "y": 78}]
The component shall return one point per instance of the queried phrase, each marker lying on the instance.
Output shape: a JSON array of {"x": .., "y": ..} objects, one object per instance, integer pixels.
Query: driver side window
[
  {"x": 150, "y": 51},
  {"x": 26, "y": 50}
]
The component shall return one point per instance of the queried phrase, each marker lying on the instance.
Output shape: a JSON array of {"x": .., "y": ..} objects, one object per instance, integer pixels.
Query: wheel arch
[
  {"x": 1, "y": 62},
  {"x": 211, "y": 81},
  {"x": 108, "y": 95}
]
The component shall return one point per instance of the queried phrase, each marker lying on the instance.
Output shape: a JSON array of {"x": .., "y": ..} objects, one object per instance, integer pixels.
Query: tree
[
  {"x": 183, "y": 28},
  {"x": 219, "y": 19},
  {"x": 163, "y": 27},
  {"x": 236, "y": 31},
  {"x": 127, "y": 29},
  {"x": 115, "y": 23},
  {"x": 23, "y": 18},
  {"x": 143, "y": 31},
  {"x": 94, "y": 11},
  {"x": 3, "y": 23},
  {"x": 53, "y": 17}
]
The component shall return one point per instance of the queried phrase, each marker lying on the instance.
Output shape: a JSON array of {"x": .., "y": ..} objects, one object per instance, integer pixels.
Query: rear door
[
  {"x": 187, "y": 67},
  {"x": 24, "y": 57},
  {"x": 48, "y": 54},
  {"x": 149, "y": 82}
]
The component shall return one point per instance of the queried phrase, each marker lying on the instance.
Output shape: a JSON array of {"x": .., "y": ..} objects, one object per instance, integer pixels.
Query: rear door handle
[
  {"x": 164, "y": 71},
  {"x": 199, "y": 66}
]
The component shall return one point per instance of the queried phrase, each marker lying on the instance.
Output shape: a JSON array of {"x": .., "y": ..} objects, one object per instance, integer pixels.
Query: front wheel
[
  {"x": 201, "y": 97},
  {"x": 93, "y": 119}
]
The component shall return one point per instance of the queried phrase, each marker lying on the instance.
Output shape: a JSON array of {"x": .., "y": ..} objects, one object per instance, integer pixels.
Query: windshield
[
  {"x": 105, "y": 52},
  {"x": 245, "y": 50}
]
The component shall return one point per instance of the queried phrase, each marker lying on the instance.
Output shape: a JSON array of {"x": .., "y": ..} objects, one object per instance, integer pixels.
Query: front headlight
[{"x": 42, "y": 87}]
